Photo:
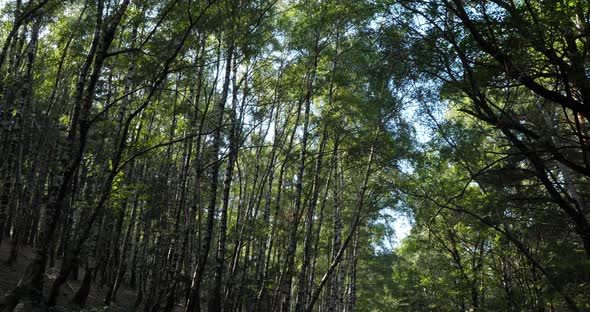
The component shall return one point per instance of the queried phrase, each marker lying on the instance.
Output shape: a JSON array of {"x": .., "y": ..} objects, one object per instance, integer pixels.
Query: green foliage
[{"x": 181, "y": 144}]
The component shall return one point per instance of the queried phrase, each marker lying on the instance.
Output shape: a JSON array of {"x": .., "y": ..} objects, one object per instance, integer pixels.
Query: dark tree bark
[
  {"x": 292, "y": 249},
  {"x": 194, "y": 302}
]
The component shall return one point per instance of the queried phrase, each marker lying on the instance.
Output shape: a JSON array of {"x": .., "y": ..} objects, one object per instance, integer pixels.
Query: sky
[{"x": 402, "y": 224}]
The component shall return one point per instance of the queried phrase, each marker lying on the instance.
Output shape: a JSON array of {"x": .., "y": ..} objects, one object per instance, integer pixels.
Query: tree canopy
[{"x": 224, "y": 155}]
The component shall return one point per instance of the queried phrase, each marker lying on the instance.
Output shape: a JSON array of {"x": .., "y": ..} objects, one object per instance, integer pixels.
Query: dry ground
[{"x": 10, "y": 275}]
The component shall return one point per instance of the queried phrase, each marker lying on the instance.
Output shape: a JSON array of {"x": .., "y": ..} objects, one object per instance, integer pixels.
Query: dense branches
[
  {"x": 227, "y": 155},
  {"x": 171, "y": 145}
]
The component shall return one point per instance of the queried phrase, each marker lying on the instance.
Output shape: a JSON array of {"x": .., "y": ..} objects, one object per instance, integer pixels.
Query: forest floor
[{"x": 10, "y": 275}]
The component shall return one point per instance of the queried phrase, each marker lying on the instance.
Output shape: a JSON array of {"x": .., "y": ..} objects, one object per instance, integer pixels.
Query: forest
[{"x": 294, "y": 155}]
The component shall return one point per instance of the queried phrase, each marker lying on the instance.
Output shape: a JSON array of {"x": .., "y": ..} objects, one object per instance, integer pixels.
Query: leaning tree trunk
[
  {"x": 292, "y": 247},
  {"x": 193, "y": 303},
  {"x": 215, "y": 304},
  {"x": 31, "y": 284},
  {"x": 303, "y": 296},
  {"x": 357, "y": 218}
]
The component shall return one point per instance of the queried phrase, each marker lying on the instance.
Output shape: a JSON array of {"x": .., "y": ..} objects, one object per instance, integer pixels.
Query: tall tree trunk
[
  {"x": 302, "y": 297},
  {"x": 193, "y": 303},
  {"x": 335, "y": 302},
  {"x": 357, "y": 219},
  {"x": 215, "y": 304},
  {"x": 292, "y": 249}
]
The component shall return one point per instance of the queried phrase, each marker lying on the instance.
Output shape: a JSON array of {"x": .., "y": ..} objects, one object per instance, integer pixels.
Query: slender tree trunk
[
  {"x": 335, "y": 302},
  {"x": 84, "y": 290},
  {"x": 302, "y": 297},
  {"x": 292, "y": 249},
  {"x": 193, "y": 303},
  {"x": 357, "y": 218},
  {"x": 215, "y": 304}
]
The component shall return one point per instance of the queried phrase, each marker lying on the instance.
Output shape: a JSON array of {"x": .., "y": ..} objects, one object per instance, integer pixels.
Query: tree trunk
[
  {"x": 302, "y": 297},
  {"x": 292, "y": 249},
  {"x": 193, "y": 302}
]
